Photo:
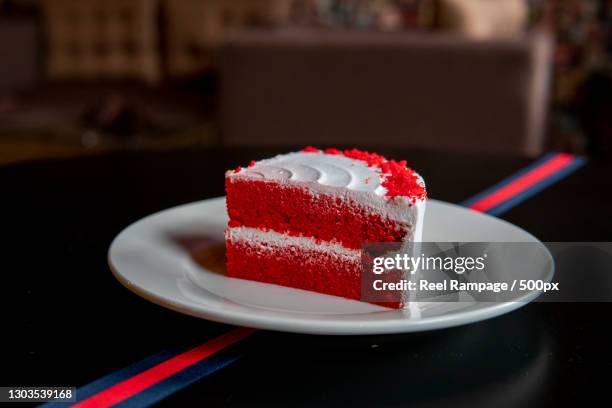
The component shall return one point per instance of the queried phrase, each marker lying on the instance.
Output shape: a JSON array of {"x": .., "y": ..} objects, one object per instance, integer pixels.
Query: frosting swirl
[{"x": 319, "y": 168}]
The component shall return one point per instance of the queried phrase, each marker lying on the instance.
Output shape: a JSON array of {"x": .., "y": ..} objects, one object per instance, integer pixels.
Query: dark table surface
[{"x": 68, "y": 321}]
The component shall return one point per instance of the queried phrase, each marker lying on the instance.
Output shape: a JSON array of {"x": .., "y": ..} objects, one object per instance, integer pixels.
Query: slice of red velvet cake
[{"x": 299, "y": 219}]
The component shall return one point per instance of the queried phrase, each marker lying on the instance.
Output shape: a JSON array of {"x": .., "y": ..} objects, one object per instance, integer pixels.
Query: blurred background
[{"x": 515, "y": 77}]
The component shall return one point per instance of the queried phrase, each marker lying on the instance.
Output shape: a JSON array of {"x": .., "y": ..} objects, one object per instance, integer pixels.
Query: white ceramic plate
[{"x": 175, "y": 258}]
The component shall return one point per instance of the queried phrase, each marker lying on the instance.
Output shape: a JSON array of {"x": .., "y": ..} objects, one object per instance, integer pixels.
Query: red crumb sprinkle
[
  {"x": 372, "y": 159},
  {"x": 401, "y": 181},
  {"x": 252, "y": 163},
  {"x": 397, "y": 178},
  {"x": 238, "y": 169},
  {"x": 331, "y": 150}
]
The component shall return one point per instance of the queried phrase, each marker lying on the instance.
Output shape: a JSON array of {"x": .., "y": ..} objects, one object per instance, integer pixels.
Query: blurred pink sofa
[{"x": 432, "y": 91}]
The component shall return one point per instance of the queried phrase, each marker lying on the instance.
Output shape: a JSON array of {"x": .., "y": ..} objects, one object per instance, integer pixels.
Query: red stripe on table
[
  {"x": 524, "y": 182},
  {"x": 153, "y": 375}
]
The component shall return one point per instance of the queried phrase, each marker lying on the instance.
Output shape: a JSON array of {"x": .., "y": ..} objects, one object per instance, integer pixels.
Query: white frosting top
[
  {"x": 336, "y": 175},
  {"x": 324, "y": 169}
]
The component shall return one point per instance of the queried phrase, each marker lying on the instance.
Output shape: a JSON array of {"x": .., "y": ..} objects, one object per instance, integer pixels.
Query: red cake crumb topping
[
  {"x": 331, "y": 150},
  {"x": 252, "y": 163},
  {"x": 238, "y": 169},
  {"x": 372, "y": 159},
  {"x": 397, "y": 178}
]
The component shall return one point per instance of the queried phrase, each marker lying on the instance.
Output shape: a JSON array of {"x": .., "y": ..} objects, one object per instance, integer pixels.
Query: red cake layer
[
  {"x": 295, "y": 211},
  {"x": 299, "y": 268}
]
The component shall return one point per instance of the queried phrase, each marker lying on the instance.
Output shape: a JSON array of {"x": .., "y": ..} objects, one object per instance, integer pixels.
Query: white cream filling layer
[{"x": 274, "y": 239}]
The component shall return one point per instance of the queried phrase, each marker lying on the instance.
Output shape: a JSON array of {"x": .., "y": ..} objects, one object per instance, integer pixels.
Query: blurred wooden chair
[
  {"x": 197, "y": 28},
  {"x": 102, "y": 39},
  {"x": 18, "y": 69}
]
